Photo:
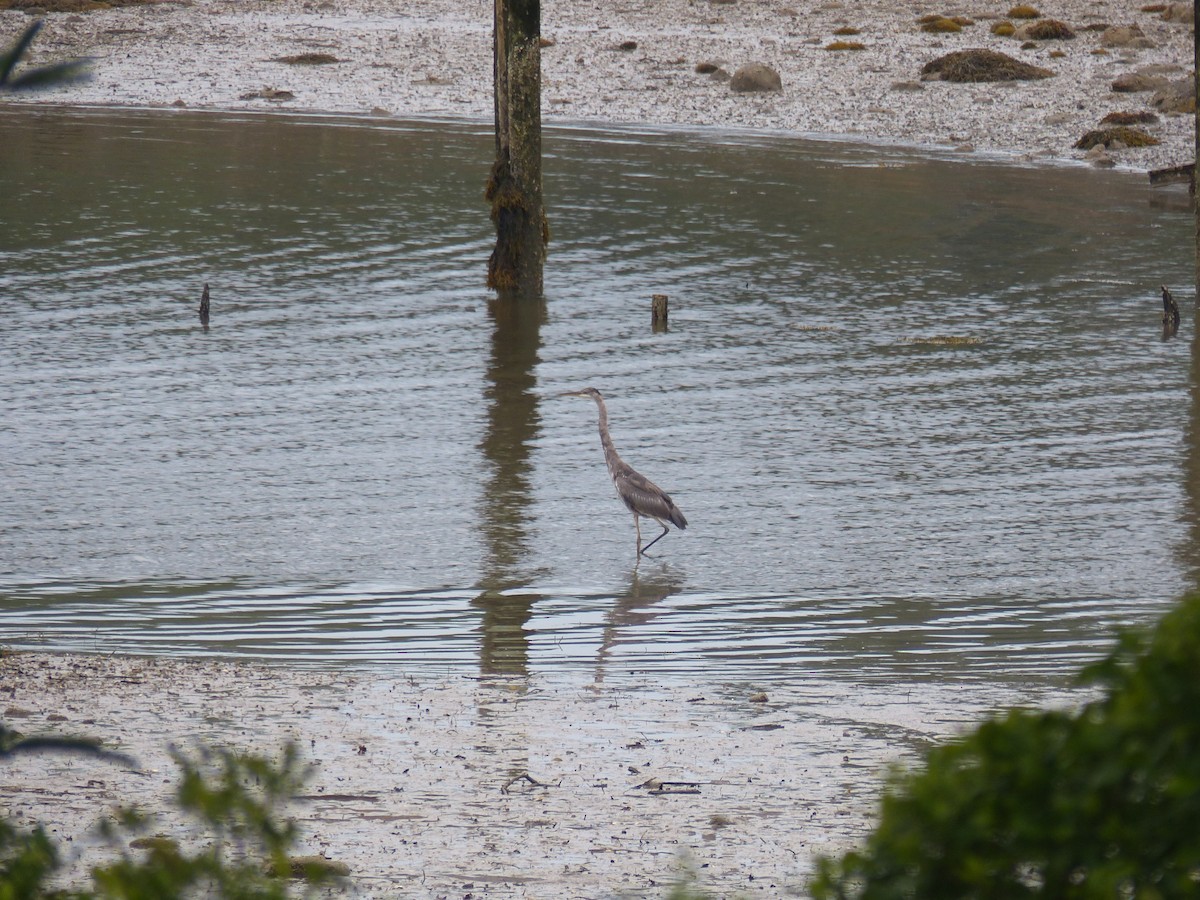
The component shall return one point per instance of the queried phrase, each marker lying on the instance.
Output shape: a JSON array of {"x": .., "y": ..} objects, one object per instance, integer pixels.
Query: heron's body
[{"x": 641, "y": 496}]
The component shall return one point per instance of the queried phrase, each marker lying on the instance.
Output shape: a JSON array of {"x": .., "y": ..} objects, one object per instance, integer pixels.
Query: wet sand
[
  {"x": 433, "y": 58},
  {"x": 447, "y": 786}
]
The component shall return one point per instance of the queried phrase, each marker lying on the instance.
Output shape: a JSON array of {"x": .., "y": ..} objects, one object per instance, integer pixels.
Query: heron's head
[{"x": 586, "y": 392}]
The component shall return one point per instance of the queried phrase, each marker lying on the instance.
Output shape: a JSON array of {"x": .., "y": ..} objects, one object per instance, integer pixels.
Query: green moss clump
[
  {"x": 845, "y": 45},
  {"x": 1024, "y": 11},
  {"x": 846, "y": 30},
  {"x": 1003, "y": 29}
]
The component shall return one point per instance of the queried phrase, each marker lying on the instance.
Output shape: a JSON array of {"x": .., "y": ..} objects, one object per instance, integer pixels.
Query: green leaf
[
  {"x": 48, "y": 76},
  {"x": 42, "y": 77},
  {"x": 11, "y": 56}
]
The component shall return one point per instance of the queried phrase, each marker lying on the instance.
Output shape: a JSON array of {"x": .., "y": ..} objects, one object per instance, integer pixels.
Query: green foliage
[
  {"x": 41, "y": 77},
  {"x": 1102, "y": 802},
  {"x": 232, "y": 798},
  {"x": 27, "y": 860}
]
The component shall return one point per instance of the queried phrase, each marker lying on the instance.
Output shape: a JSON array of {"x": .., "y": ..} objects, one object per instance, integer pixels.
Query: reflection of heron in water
[
  {"x": 634, "y": 613},
  {"x": 641, "y": 496}
]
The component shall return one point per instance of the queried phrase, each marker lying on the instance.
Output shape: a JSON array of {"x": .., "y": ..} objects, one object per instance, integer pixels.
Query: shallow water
[{"x": 364, "y": 459}]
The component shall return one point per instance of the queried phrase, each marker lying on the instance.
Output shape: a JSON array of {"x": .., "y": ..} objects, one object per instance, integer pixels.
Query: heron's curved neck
[{"x": 611, "y": 458}]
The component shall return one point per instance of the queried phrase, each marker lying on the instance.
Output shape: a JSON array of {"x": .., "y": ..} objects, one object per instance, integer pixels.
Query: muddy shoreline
[
  {"x": 433, "y": 58},
  {"x": 440, "y": 786}
]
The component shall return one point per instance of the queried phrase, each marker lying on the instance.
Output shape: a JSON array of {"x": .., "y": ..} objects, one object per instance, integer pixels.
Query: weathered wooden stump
[
  {"x": 514, "y": 188},
  {"x": 204, "y": 307},
  {"x": 658, "y": 312}
]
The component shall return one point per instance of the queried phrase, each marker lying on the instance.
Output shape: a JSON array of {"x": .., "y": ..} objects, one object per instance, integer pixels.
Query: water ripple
[{"x": 918, "y": 413}]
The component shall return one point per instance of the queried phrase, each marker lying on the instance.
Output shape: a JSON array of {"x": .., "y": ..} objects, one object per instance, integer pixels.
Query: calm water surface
[{"x": 365, "y": 460}]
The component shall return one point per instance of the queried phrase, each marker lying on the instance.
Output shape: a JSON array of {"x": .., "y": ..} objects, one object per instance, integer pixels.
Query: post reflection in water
[
  {"x": 635, "y": 607},
  {"x": 512, "y": 425}
]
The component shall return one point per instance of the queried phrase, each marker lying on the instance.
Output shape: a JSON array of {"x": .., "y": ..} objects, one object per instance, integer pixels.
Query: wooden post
[
  {"x": 659, "y": 310},
  {"x": 204, "y": 307},
  {"x": 515, "y": 187}
]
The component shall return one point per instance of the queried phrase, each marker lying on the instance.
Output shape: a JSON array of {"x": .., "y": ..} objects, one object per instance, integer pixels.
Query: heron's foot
[{"x": 642, "y": 550}]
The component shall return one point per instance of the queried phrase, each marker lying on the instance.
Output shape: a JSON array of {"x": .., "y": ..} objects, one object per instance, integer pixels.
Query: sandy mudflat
[
  {"x": 438, "y": 786},
  {"x": 433, "y": 58}
]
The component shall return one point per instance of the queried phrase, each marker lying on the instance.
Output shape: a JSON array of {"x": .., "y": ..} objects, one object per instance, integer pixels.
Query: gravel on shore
[{"x": 635, "y": 62}]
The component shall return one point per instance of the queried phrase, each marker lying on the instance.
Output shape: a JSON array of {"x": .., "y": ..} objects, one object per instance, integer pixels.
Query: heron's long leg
[
  {"x": 638, "y": 527},
  {"x": 665, "y": 529}
]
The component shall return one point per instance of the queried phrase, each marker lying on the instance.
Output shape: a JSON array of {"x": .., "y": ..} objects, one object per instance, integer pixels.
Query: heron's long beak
[{"x": 572, "y": 394}]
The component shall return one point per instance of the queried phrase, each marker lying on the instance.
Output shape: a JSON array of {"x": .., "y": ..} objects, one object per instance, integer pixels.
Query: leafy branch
[{"x": 42, "y": 76}]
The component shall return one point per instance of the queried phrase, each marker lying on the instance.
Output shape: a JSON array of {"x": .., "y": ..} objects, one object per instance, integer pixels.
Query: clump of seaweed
[
  {"x": 1141, "y": 117},
  {"x": 944, "y": 340},
  {"x": 1024, "y": 11},
  {"x": 307, "y": 59},
  {"x": 981, "y": 65},
  {"x": 1154, "y": 8},
  {"x": 1003, "y": 28},
  {"x": 1106, "y": 137},
  {"x": 846, "y": 30},
  {"x": 941, "y": 25},
  {"x": 1048, "y": 30},
  {"x": 845, "y": 45}
]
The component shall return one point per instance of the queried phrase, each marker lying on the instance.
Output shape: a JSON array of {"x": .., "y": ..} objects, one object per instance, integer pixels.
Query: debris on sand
[{"x": 307, "y": 59}]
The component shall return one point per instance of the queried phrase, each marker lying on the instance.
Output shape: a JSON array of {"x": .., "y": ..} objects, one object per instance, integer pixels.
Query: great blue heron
[{"x": 641, "y": 496}]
